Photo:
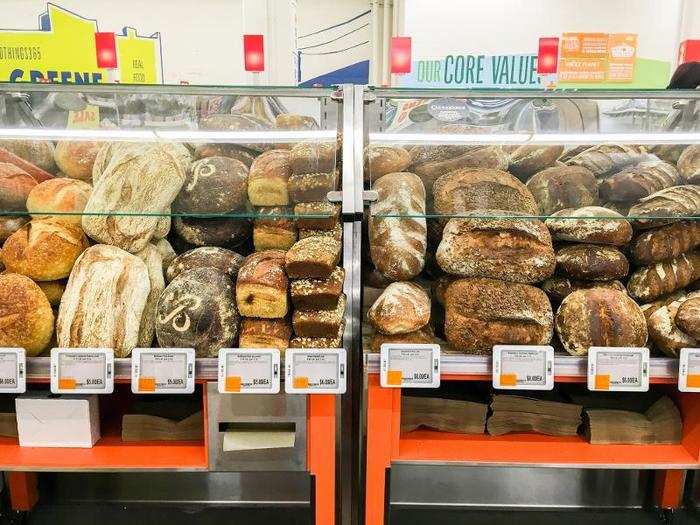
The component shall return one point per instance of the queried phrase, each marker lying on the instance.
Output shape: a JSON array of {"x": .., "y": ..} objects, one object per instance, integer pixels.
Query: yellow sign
[
  {"x": 597, "y": 57},
  {"x": 64, "y": 50}
]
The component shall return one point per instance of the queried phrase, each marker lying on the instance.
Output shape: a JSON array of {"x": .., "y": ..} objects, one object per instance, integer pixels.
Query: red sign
[
  {"x": 106, "y": 49},
  {"x": 400, "y": 54},
  {"x": 548, "y": 56},
  {"x": 254, "y": 53},
  {"x": 689, "y": 51}
]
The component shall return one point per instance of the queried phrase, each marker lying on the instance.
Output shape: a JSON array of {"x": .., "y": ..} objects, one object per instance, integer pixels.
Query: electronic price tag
[
  {"x": 315, "y": 371},
  {"x": 689, "y": 370},
  {"x": 13, "y": 369},
  {"x": 249, "y": 371},
  {"x": 82, "y": 370},
  {"x": 523, "y": 367},
  {"x": 162, "y": 370},
  {"x": 618, "y": 369},
  {"x": 409, "y": 365}
]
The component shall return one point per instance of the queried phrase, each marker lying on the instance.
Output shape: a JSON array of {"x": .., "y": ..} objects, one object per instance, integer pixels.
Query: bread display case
[
  {"x": 181, "y": 217},
  {"x": 562, "y": 219}
]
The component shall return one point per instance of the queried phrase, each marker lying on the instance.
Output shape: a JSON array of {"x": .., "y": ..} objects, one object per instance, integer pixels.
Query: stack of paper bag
[
  {"x": 444, "y": 415},
  {"x": 523, "y": 414}
]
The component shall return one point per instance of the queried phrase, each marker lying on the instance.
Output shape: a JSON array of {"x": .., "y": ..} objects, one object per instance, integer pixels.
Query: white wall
[{"x": 691, "y": 20}]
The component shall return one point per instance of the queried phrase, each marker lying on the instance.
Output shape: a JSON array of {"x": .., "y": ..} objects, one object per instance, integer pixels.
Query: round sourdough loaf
[
  {"x": 487, "y": 245},
  {"x": 222, "y": 259},
  {"x": 557, "y": 287},
  {"x": 44, "y": 249},
  {"x": 665, "y": 331},
  {"x": 26, "y": 318},
  {"x": 76, "y": 158},
  {"x": 213, "y": 232},
  {"x": 592, "y": 262},
  {"x": 590, "y": 224},
  {"x": 401, "y": 308},
  {"x": 198, "y": 310},
  {"x": 562, "y": 187},
  {"x": 688, "y": 316},
  {"x": 15, "y": 186},
  {"x": 62, "y": 197},
  {"x": 480, "y": 313},
  {"x": 213, "y": 185},
  {"x": 599, "y": 317},
  {"x": 480, "y": 188},
  {"x": 38, "y": 152}
]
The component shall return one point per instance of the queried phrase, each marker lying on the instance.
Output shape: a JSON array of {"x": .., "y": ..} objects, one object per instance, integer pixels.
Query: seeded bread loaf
[
  {"x": 224, "y": 231},
  {"x": 312, "y": 187},
  {"x": 402, "y": 307},
  {"x": 319, "y": 323},
  {"x": 318, "y": 294},
  {"x": 319, "y": 342},
  {"x": 267, "y": 181},
  {"x": 335, "y": 233},
  {"x": 592, "y": 262},
  {"x": 651, "y": 282},
  {"x": 313, "y": 257},
  {"x": 265, "y": 333},
  {"x": 317, "y": 215},
  {"x": 274, "y": 228},
  {"x": 590, "y": 224},
  {"x": 313, "y": 157},
  {"x": 261, "y": 288},
  {"x": 397, "y": 229},
  {"x": 666, "y": 242},
  {"x": 518, "y": 250}
]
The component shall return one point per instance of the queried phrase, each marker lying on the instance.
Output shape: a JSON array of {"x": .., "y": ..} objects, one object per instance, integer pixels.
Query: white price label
[
  {"x": 162, "y": 370},
  {"x": 522, "y": 367},
  {"x": 249, "y": 371},
  {"x": 82, "y": 370},
  {"x": 13, "y": 370},
  {"x": 409, "y": 365},
  {"x": 618, "y": 369},
  {"x": 689, "y": 370},
  {"x": 318, "y": 371}
]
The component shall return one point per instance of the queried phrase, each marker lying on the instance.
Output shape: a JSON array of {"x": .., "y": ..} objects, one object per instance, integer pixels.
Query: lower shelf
[
  {"x": 536, "y": 450},
  {"x": 109, "y": 453}
]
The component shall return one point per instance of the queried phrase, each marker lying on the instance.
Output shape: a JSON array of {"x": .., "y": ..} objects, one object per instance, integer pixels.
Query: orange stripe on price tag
[
  {"x": 693, "y": 381},
  {"x": 67, "y": 383},
  {"x": 509, "y": 379},
  {"x": 602, "y": 382},
  {"x": 394, "y": 377},
  {"x": 147, "y": 384},
  {"x": 233, "y": 384},
  {"x": 301, "y": 382}
]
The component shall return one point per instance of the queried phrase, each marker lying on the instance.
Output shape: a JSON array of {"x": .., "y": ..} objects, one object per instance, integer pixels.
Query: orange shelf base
[
  {"x": 108, "y": 453},
  {"x": 426, "y": 445}
]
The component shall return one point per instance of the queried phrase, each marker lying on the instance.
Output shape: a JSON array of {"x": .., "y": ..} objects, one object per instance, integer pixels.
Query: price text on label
[
  {"x": 523, "y": 367},
  {"x": 12, "y": 370},
  {"x": 624, "y": 369},
  {"x": 404, "y": 365}
]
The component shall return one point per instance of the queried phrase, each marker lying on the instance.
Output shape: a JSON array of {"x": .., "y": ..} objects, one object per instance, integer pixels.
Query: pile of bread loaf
[
  {"x": 579, "y": 247},
  {"x": 89, "y": 257}
]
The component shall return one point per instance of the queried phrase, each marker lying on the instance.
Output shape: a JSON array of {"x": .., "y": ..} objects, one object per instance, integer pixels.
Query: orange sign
[
  {"x": 597, "y": 57},
  {"x": 622, "y": 52}
]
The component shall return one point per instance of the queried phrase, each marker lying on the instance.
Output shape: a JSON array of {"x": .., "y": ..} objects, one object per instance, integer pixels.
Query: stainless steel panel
[
  {"x": 233, "y": 488},
  {"x": 431, "y": 485},
  {"x": 256, "y": 410}
]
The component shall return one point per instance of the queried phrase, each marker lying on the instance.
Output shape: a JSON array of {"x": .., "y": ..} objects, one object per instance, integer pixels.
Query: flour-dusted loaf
[
  {"x": 480, "y": 188},
  {"x": 27, "y": 318},
  {"x": 381, "y": 159},
  {"x": 15, "y": 186},
  {"x": 317, "y": 215},
  {"x": 274, "y": 228},
  {"x": 592, "y": 262},
  {"x": 650, "y": 308},
  {"x": 664, "y": 330},
  {"x": 198, "y": 310},
  {"x": 40, "y": 153},
  {"x": 319, "y": 323},
  {"x": 267, "y": 181},
  {"x": 402, "y": 307},
  {"x": 525, "y": 161},
  {"x": 335, "y": 233},
  {"x": 688, "y": 316},
  {"x": 166, "y": 251},
  {"x": 487, "y": 245},
  {"x": 213, "y": 185},
  {"x": 663, "y": 206},
  {"x": 562, "y": 187},
  {"x": 313, "y": 157},
  {"x": 312, "y": 258},
  {"x": 599, "y": 317},
  {"x": 154, "y": 264},
  {"x": 650, "y": 282},
  {"x": 104, "y": 301},
  {"x": 590, "y": 224},
  {"x": 397, "y": 229},
  {"x": 222, "y": 259},
  {"x": 480, "y": 313},
  {"x": 311, "y": 187},
  {"x": 75, "y": 158},
  {"x": 44, "y": 249},
  {"x": 318, "y": 294},
  {"x": 262, "y": 285},
  {"x": 639, "y": 181},
  {"x": 666, "y": 242},
  {"x": 163, "y": 225},
  {"x": 606, "y": 159},
  {"x": 558, "y": 287},
  {"x": 62, "y": 198},
  {"x": 139, "y": 181},
  {"x": 689, "y": 164},
  {"x": 265, "y": 333},
  {"x": 224, "y": 231}
]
